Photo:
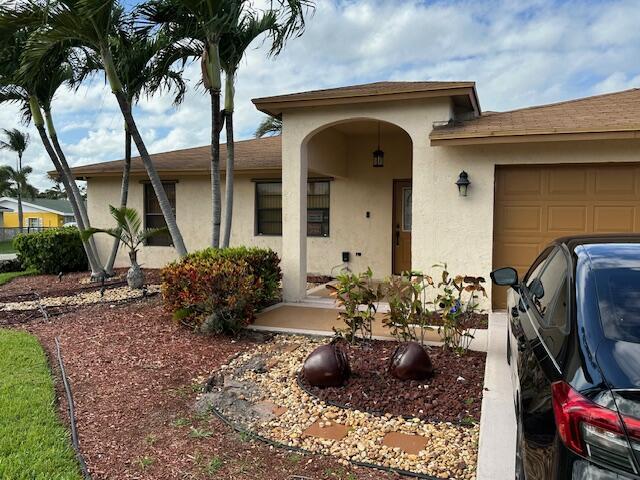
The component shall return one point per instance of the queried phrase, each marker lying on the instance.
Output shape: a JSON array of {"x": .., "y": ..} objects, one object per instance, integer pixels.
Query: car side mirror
[{"x": 505, "y": 277}]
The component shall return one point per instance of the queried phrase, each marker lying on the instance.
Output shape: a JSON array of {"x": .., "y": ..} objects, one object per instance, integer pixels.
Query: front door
[{"x": 401, "y": 226}]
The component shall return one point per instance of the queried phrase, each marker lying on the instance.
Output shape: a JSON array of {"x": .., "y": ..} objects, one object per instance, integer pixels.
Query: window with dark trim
[
  {"x": 269, "y": 208},
  {"x": 153, "y": 217}
]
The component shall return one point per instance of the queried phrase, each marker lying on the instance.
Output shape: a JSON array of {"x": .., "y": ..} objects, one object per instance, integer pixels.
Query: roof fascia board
[
  {"x": 275, "y": 108},
  {"x": 37, "y": 207},
  {"x": 535, "y": 137}
]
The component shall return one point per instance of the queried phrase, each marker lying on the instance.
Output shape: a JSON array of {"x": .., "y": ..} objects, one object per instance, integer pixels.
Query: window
[
  {"x": 547, "y": 287},
  {"x": 34, "y": 223},
  {"x": 406, "y": 209},
  {"x": 153, "y": 217},
  {"x": 269, "y": 208},
  {"x": 69, "y": 219},
  {"x": 619, "y": 301}
]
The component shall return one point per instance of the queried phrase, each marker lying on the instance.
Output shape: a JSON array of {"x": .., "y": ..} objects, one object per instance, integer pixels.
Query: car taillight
[{"x": 593, "y": 431}]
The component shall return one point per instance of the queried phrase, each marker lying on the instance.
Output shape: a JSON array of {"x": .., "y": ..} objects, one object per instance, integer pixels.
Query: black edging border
[
  {"x": 72, "y": 418},
  {"x": 240, "y": 429},
  {"x": 374, "y": 412}
]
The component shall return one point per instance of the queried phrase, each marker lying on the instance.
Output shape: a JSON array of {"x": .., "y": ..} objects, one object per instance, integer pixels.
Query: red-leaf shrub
[{"x": 218, "y": 291}]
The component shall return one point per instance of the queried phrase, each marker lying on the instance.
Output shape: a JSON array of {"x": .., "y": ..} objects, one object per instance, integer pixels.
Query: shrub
[
  {"x": 359, "y": 298},
  {"x": 52, "y": 251},
  {"x": 410, "y": 310},
  {"x": 12, "y": 265},
  {"x": 262, "y": 263},
  {"x": 218, "y": 291}
]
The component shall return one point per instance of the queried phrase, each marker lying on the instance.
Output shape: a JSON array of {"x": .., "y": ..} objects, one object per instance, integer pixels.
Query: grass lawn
[
  {"x": 7, "y": 247},
  {"x": 6, "y": 277},
  {"x": 33, "y": 442}
]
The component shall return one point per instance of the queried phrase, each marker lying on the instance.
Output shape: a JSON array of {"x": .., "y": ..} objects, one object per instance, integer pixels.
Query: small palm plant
[{"x": 130, "y": 232}]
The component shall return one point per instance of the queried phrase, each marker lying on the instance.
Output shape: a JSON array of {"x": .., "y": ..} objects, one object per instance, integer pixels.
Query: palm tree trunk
[
  {"x": 228, "y": 199},
  {"x": 124, "y": 194},
  {"x": 154, "y": 178},
  {"x": 20, "y": 212},
  {"x": 71, "y": 182},
  {"x": 96, "y": 270},
  {"x": 215, "y": 166}
]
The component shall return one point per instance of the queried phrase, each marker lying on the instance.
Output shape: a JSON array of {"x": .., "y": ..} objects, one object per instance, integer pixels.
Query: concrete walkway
[
  {"x": 7, "y": 256},
  {"x": 496, "y": 452}
]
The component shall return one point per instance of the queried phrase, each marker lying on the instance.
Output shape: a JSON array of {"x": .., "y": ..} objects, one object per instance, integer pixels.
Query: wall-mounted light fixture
[
  {"x": 378, "y": 155},
  {"x": 463, "y": 183}
]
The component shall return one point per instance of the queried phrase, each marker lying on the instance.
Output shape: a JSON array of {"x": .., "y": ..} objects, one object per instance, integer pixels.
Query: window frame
[
  {"x": 256, "y": 226},
  {"x": 146, "y": 184}
]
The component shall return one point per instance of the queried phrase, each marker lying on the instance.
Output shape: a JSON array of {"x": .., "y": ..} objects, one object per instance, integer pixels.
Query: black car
[{"x": 574, "y": 348}]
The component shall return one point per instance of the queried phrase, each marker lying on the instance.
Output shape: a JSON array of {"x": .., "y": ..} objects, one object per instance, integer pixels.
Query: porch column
[
  {"x": 423, "y": 233},
  {"x": 294, "y": 217}
]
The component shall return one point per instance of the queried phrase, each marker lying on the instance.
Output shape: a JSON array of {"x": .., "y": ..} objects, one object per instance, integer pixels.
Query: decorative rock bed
[
  {"x": 109, "y": 295},
  {"x": 259, "y": 392}
]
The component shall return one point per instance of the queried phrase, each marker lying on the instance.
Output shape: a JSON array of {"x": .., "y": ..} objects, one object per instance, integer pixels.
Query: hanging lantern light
[{"x": 378, "y": 155}]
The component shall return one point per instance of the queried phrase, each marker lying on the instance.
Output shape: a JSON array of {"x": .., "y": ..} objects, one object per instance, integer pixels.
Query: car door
[{"x": 545, "y": 297}]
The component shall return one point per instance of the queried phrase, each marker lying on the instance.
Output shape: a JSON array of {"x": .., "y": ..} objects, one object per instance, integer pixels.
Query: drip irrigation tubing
[
  {"x": 273, "y": 443},
  {"x": 72, "y": 415}
]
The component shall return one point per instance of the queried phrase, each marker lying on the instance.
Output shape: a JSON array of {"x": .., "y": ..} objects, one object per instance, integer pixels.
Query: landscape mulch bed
[
  {"x": 135, "y": 376},
  {"x": 23, "y": 288},
  {"x": 453, "y": 394},
  {"x": 478, "y": 321}
]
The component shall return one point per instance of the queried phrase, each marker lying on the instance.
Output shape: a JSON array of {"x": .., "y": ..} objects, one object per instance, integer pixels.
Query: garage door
[{"x": 536, "y": 204}]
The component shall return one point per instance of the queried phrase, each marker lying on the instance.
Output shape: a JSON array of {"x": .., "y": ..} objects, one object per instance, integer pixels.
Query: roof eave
[
  {"x": 275, "y": 107},
  {"x": 533, "y": 137}
]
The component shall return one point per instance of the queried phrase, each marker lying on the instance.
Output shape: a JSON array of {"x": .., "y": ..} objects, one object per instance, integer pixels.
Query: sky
[{"x": 519, "y": 53}]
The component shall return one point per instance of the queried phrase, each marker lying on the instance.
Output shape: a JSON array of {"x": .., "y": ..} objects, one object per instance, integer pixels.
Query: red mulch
[
  {"x": 441, "y": 398},
  {"x": 22, "y": 288},
  {"x": 132, "y": 371}
]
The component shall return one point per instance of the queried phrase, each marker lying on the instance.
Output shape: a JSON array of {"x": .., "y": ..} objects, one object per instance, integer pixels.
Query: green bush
[
  {"x": 52, "y": 251},
  {"x": 219, "y": 291}
]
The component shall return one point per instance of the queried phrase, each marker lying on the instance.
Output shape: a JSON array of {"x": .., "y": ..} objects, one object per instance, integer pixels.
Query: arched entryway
[{"x": 356, "y": 209}]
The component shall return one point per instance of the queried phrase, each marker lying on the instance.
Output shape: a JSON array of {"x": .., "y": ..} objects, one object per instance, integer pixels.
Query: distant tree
[
  {"x": 56, "y": 192},
  {"x": 19, "y": 187},
  {"x": 17, "y": 142},
  {"x": 268, "y": 127}
]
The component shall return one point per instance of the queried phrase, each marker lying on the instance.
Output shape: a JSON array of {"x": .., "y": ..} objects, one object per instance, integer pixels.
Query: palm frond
[{"x": 269, "y": 126}]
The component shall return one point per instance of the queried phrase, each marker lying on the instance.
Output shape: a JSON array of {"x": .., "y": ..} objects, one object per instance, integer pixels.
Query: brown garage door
[{"x": 536, "y": 204}]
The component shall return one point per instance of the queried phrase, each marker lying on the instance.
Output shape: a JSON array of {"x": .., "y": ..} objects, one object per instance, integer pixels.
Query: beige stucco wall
[
  {"x": 359, "y": 189},
  {"x": 462, "y": 229}
]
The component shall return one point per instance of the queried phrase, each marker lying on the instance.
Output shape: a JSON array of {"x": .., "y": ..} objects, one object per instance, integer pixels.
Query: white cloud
[{"x": 519, "y": 53}]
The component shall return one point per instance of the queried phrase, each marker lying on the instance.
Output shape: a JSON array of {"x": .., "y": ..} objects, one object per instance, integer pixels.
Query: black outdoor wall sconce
[{"x": 463, "y": 183}]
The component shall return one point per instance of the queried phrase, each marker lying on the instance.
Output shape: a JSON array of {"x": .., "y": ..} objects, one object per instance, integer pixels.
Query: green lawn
[
  {"x": 33, "y": 442},
  {"x": 7, "y": 247},
  {"x": 6, "y": 277}
]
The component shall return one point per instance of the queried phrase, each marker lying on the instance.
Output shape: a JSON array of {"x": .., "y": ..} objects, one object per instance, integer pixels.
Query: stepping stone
[
  {"x": 335, "y": 431},
  {"x": 272, "y": 362},
  {"x": 408, "y": 443},
  {"x": 289, "y": 347}
]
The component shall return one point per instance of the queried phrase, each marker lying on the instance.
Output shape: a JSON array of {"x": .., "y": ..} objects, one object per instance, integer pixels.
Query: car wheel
[{"x": 519, "y": 473}]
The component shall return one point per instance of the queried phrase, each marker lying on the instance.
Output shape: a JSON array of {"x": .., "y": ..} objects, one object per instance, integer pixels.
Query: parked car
[{"x": 574, "y": 348}]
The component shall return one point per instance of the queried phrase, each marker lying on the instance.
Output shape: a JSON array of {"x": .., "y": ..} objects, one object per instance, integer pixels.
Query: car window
[
  {"x": 619, "y": 302},
  {"x": 537, "y": 266},
  {"x": 546, "y": 286}
]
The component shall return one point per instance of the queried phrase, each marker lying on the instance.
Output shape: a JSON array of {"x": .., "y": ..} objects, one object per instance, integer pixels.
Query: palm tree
[
  {"x": 29, "y": 89},
  {"x": 5, "y": 183},
  {"x": 55, "y": 192},
  {"x": 129, "y": 231},
  {"x": 17, "y": 142},
  {"x": 198, "y": 28},
  {"x": 135, "y": 58},
  {"x": 19, "y": 186},
  {"x": 91, "y": 25},
  {"x": 269, "y": 126},
  {"x": 233, "y": 45}
]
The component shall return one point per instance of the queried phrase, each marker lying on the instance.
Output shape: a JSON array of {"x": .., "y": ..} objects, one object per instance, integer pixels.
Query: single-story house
[
  {"x": 37, "y": 212},
  {"x": 373, "y": 176}
]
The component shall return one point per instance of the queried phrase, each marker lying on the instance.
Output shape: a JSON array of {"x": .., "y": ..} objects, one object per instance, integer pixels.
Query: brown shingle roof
[
  {"x": 255, "y": 154},
  {"x": 370, "y": 91},
  {"x": 609, "y": 115}
]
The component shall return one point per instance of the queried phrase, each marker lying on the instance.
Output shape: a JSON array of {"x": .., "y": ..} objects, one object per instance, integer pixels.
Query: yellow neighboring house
[{"x": 38, "y": 213}]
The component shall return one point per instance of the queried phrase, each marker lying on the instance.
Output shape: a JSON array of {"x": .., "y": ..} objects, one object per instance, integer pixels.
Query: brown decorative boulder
[
  {"x": 410, "y": 361},
  {"x": 326, "y": 366}
]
